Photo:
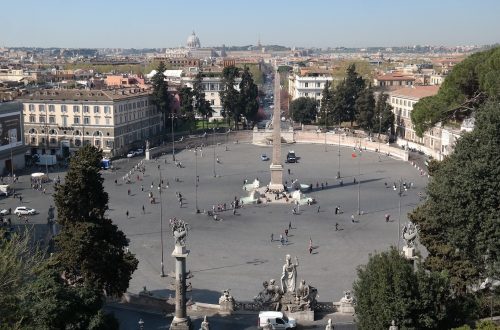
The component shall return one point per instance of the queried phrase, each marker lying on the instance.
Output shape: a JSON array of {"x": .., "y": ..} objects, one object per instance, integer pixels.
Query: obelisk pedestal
[
  {"x": 181, "y": 321},
  {"x": 276, "y": 167}
]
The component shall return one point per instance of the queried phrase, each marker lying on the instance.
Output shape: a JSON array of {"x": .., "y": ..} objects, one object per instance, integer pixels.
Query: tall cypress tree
[
  {"x": 326, "y": 107},
  {"x": 365, "y": 107},
  {"x": 248, "y": 96},
  {"x": 90, "y": 249},
  {"x": 160, "y": 96},
  {"x": 229, "y": 96}
]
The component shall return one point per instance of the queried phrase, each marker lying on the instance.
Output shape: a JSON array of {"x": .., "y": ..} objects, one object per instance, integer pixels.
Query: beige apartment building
[
  {"x": 402, "y": 102},
  {"x": 60, "y": 121}
]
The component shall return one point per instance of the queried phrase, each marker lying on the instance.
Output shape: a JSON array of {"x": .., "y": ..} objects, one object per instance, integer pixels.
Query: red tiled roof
[
  {"x": 416, "y": 92},
  {"x": 394, "y": 76}
]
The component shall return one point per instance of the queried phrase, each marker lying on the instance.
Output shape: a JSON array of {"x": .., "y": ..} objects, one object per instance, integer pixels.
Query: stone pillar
[
  {"x": 276, "y": 166},
  {"x": 181, "y": 321}
]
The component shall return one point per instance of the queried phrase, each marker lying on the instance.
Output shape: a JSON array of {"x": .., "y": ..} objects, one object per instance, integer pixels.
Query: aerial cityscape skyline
[{"x": 336, "y": 24}]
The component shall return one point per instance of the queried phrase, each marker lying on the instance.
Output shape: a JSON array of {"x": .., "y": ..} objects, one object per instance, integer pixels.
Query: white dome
[{"x": 193, "y": 41}]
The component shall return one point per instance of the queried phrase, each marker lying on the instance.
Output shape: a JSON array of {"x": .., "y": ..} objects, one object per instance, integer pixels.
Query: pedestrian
[
  {"x": 142, "y": 187},
  {"x": 310, "y": 249},
  {"x": 143, "y": 210},
  {"x": 20, "y": 199},
  {"x": 127, "y": 214},
  {"x": 387, "y": 217},
  {"x": 336, "y": 210},
  {"x": 116, "y": 181},
  {"x": 272, "y": 237},
  {"x": 352, "y": 218},
  {"x": 128, "y": 192},
  {"x": 336, "y": 226},
  {"x": 289, "y": 224},
  {"x": 322, "y": 186},
  {"x": 354, "y": 180},
  {"x": 318, "y": 209},
  {"x": 288, "y": 171},
  {"x": 286, "y": 232},
  {"x": 282, "y": 240},
  {"x": 310, "y": 242},
  {"x": 294, "y": 211}
]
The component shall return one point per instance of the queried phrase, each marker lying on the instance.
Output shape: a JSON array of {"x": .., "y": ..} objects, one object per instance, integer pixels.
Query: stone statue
[
  {"x": 270, "y": 296},
  {"x": 329, "y": 325},
  {"x": 393, "y": 326},
  {"x": 205, "y": 325},
  {"x": 226, "y": 297},
  {"x": 179, "y": 231},
  {"x": 409, "y": 234},
  {"x": 289, "y": 274},
  {"x": 307, "y": 295},
  {"x": 347, "y": 298},
  {"x": 147, "y": 144}
]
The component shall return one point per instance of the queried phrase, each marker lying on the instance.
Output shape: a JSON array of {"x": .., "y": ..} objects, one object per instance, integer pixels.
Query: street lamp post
[
  {"x": 379, "y": 129},
  {"x": 173, "y": 140},
  {"x": 213, "y": 140},
  {"x": 359, "y": 179},
  {"x": 400, "y": 194},
  {"x": 162, "y": 273},
  {"x": 196, "y": 179},
  {"x": 338, "y": 171}
]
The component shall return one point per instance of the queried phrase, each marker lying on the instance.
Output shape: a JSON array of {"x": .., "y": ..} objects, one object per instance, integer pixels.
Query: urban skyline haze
[{"x": 315, "y": 23}]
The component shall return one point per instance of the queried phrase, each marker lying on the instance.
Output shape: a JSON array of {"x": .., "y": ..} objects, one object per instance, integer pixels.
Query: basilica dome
[{"x": 193, "y": 41}]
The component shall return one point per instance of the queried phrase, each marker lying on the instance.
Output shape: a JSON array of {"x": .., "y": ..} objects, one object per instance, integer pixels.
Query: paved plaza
[{"x": 236, "y": 252}]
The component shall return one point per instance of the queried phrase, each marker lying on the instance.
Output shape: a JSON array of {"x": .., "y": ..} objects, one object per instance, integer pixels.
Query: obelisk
[{"x": 276, "y": 167}]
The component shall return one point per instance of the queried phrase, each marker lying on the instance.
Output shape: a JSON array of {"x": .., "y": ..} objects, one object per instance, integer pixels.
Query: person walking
[
  {"x": 142, "y": 187},
  {"x": 272, "y": 237},
  {"x": 282, "y": 240},
  {"x": 318, "y": 209},
  {"x": 387, "y": 217},
  {"x": 143, "y": 210},
  {"x": 336, "y": 226},
  {"x": 128, "y": 191},
  {"x": 352, "y": 218},
  {"x": 336, "y": 210},
  {"x": 288, "y": 171},
  {"x": 286, "y": 232},
  {"x": 127, "y": 214},
  {"x": 289, "y": 225}
]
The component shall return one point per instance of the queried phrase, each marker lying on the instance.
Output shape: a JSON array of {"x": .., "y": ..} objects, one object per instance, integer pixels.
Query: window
[
  {"x": 86, "y": 120},
  {"x": 41, "y": 119},
  {"x": 212, "y": 102},
  {"x": 306, "y": 84},
  {"x": 64, "y": 108},
  {"x": 96, "y": 120},
  {"x": 76, "y": 109},
  {"x": 41, "y": 108},
  {"x": 76, "y": 120},
  {"x": 318, "y": 94},
  {"x": 32, "y": 119},
  {"x": 32, "y": 107},
  {"x": 306, "y": 94},
  {"x": 97, "y": 143},
  {"x": 64, "y": 121},
  {"x": 318, "y": 84},
  {"x": 52, "y": 119},
  {"x": 107, "y": 109},
  {"x": 108, "y": 121},
  {"x": 96, "y": 109},
  {"x": 52, "y": 108},
  {"x": 86, "y": 109}
]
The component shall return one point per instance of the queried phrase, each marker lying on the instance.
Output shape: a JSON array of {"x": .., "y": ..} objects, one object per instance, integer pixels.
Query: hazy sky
[{"x": 305, "y": 23}]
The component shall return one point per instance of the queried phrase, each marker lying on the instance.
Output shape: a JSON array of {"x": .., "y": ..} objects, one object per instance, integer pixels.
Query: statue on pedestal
[
  {"x": 393, "y": 326},
  {"x": 179, "y": 231},
  {"x": 205, "y": 325},
  {"x": 289, "y": 274}
]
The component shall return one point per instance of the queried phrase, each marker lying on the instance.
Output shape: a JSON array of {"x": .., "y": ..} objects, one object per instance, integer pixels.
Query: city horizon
[{"x": 331, "y": 24}]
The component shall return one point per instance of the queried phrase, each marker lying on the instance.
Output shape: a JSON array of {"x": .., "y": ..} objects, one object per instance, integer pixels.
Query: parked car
[
  {"x": 4, "y": 212},
  {"x": 264, "y": 157},
  {"x": 139, "y": 152},
  {"x": 131, "y": 154},
  {"x": 23, "y": 210}
]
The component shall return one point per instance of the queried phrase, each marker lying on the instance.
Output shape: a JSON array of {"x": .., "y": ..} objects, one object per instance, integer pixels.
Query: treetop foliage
[
  {"x": 459, "y": 220},
  {"x": 469, "y": 85}
]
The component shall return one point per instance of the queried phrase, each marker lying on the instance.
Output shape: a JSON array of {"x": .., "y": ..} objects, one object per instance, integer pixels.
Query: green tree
[
  {"x": 384, "y": 117},
  {"x": 326, "y": 107},
  {"x": 248, "y": 97},
  {"x": 18, "y": 260},
  {"x": 365, "y": 109},
  {"x": 353, "y": 86},
  {"x": 388, "y": 288},
  {"x": 339, "y": 103},
  {"x": 459, "y": 219},
  {"x": 186, "y": 96},
  {"x": 160, "y": 96},
  {"x": 201, "y": 105},
  {"x": 304, "y": 110},
  {"x": 229, "y": 96},
  {"x": 90, "y": 250},
  {"x": 469, "y": 85}
]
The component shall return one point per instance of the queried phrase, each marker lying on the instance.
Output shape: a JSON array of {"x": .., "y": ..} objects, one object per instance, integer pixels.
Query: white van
[{"x": 277, "y": 320}]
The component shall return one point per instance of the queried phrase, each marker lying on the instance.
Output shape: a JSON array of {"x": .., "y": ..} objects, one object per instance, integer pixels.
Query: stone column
[
  {"x": 181, "y": 321},
  {"x": 276, "y": 166}
]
